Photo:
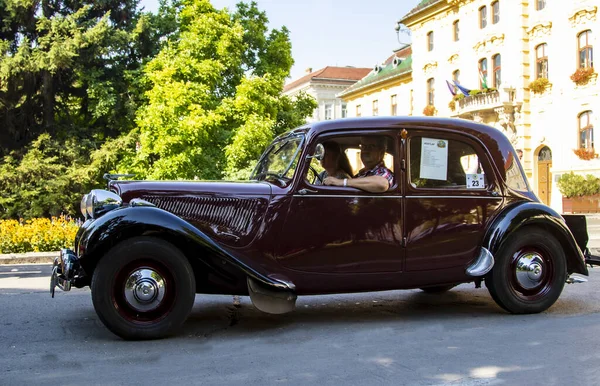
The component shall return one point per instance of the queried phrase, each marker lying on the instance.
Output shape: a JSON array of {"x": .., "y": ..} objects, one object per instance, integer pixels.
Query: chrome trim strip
[
  {"x": 413, "y": 197},
  {"x": 483, "y": 264}
]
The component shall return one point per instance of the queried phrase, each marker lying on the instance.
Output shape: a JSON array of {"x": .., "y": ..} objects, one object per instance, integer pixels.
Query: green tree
[{"x": 215, "y": 100}]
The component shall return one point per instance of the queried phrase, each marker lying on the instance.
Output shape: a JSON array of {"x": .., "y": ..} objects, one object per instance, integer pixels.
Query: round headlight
[
  {"x": 82, "y": 206},
  {"x": 89, "y": 205}
]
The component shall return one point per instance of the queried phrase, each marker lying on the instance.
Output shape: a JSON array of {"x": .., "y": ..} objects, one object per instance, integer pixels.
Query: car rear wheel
[
  {"x": 529, "y": 273},
  {"x": 143, "y": 288}
]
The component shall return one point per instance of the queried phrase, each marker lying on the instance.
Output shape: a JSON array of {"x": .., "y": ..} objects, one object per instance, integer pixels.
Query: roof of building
[
  {"x": 330, "y": 73},
  {"x": 422, "y": 5},
  {"x": 388, "y": 70}
]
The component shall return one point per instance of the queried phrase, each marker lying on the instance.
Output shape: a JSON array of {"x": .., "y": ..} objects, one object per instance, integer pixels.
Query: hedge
[{"x": 37, "y": 235}]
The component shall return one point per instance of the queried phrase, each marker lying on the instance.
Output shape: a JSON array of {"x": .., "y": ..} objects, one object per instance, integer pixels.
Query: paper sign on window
[
  {"x": 475, "y": 181},
  {"x": 434, "y": 159}
]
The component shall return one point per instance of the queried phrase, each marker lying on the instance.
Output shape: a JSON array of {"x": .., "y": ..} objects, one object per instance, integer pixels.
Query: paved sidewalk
[{"x": 28, "y": 258}]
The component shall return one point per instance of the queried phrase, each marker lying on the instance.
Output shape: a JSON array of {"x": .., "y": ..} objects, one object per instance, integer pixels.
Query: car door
[
  {"x": 341, "y": 229},
  {"x": 451, "y": 194}
]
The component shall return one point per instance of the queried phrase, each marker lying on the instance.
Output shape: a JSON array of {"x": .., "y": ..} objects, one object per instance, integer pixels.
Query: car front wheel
[
  {"x": 529, "y": 273},
  {"x": 143, "y": 288}
]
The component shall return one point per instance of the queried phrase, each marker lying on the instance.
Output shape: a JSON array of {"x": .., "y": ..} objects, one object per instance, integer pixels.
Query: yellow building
[
  {"x": 496, "y": 49},
  {"x": 386, "y": 90}
]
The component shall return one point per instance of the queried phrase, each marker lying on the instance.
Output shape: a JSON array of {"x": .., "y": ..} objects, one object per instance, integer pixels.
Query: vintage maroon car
[{"x": 459, "y": 210}]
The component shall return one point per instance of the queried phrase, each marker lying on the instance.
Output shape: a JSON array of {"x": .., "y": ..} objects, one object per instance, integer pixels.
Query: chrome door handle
[{"x": 306, "y": 191}]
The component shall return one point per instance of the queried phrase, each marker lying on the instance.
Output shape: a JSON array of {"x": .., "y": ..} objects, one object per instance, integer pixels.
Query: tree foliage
[
  {"x": 215, "y": 100},
  {"x": 90, "y": 87}
]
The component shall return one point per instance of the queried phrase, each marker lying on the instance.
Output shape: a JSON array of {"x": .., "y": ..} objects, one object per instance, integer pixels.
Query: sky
[{"x": 358, "y": 33}]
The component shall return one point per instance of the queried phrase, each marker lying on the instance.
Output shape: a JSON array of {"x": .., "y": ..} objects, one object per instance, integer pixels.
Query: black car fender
[
  {"x": 520, "y": 215},
  {"x": 96, "y": 237}
]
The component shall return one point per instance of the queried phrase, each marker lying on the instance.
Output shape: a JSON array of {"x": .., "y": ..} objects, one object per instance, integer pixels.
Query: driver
[{"x": 374, "y": 177}]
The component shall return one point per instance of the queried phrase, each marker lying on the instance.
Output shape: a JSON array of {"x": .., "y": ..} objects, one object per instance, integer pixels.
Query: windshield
[{"x": 280, "y": 160}]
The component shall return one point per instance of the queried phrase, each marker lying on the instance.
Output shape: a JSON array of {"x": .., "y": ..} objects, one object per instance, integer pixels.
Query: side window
[
  {"x": 348, "y": 156},
  {"x": 444, "y": 164}
]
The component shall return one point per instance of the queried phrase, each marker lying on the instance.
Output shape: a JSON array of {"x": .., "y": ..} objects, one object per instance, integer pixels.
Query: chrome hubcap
[
  {"x": 144, "y": 290},
  {"x": 530, "y": 270}
]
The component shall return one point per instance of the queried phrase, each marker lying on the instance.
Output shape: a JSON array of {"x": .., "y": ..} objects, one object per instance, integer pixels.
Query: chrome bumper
[{"x": 64, "y": 271}]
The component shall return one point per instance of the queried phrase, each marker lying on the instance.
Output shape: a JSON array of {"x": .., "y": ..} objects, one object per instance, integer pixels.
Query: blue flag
[
  {"x": 451, "y": 88},
  {"x": 465, "y": 91}
]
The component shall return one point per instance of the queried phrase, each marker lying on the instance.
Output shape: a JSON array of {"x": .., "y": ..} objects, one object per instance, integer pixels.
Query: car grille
[{"x": 232, "y": 213}]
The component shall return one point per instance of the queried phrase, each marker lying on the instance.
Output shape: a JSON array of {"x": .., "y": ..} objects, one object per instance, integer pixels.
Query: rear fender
[
  {"x": 96, "y": 237},
  {"x": 518, "y": 216}
]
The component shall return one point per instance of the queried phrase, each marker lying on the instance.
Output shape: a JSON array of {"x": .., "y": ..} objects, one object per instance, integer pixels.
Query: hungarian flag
[{"x": 482, "y": 79}]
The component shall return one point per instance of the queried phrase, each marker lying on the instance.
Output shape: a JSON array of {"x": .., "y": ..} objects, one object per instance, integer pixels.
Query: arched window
[
  {"x": 540, "y": 4},
  {"x": 483, "y": 17},
  {"x": 483, "y": 73},
  {"x": 541, "y": 61},
  {"x": 430, "y": 91},
  {"x": 456, "y": 30},
  {"x": 586, "y": 130},
  {"x": 495, "y": 12},
  {"x": 586, "y": 53},
  {"x": 497, "y": 62},
  {"x": 430, "y": 41}
]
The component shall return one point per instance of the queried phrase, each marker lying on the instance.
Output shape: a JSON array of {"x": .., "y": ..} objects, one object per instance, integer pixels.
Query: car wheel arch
[{"x": 519, "y": 217}]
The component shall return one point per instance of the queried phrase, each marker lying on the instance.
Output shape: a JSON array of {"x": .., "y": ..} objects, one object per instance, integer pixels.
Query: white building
[{"x": 324, "y": 85}]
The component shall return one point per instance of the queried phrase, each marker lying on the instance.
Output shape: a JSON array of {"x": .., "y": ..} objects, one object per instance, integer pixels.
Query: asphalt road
[{"x": 384, "y": 338}]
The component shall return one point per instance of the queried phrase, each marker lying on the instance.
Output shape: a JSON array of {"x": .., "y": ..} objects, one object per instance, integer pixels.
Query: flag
[
  {"x": 451, "y": 88},
  {"x": 482, "y": 79},
  {"x": 465, "y": 91}
]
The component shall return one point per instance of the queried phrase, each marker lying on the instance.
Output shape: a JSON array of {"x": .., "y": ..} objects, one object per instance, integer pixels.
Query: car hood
[{"x": 228, "y": 212}]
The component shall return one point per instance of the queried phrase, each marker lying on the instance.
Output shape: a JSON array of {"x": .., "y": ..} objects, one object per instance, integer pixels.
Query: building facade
[
  {"x": 386, "y": 90},
  {"x": 324, "y": 85},
  {"x": 516, "y": 61}
]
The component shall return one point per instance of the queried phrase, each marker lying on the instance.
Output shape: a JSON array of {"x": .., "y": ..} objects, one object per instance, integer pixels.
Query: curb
[{"x": 28, "y": 258}]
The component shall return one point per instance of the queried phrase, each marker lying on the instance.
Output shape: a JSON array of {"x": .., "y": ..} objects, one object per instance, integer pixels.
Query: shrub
[
  {"x": 582, "y": 76},
  {"x": 429, "y": 110},
  {"x": 452, "y": 105},
  {"x": 458, "y": 97},
  {"x": 539, "y": 85},
  {"x": 575, "y": 185},
  {"x": 37, "y": 235}
]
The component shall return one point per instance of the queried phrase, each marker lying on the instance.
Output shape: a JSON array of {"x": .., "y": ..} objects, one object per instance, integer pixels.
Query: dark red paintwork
[{"x": 332, "y": 239}]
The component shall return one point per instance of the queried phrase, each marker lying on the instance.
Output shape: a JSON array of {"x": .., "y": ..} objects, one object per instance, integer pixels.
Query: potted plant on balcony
[
  {"x": 455, "y": 98},
  {"x": 539, "y": 85},
  {"x": 429, "y": 110},
  {"x": 582, "y": 76},
  {"x": 580, "y": 194},
  {"x": 585, "y": 154}
]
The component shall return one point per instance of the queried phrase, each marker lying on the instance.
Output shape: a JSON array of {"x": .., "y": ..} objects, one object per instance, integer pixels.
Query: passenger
[
  {"x": 335, "y": 163},
  {"x": 374, "y": 177}
]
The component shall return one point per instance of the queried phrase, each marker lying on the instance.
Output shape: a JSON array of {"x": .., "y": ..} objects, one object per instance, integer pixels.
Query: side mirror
[{"x": 319, "y": 152}]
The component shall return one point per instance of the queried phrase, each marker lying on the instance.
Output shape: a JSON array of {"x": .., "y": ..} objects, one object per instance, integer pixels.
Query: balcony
[{"x": 484, "y": 103}]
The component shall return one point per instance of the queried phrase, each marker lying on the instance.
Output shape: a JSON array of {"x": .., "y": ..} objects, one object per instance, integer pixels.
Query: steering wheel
[{"x": 317, "y": 175}]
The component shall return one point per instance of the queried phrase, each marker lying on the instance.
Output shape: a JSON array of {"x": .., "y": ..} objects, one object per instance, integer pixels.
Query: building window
[
  {"x": 483, "y": 17},
  {"x": 586, "y": 54},
  {"x": 430, "y": 91},
  {"x": 456, "y": 29},
  {"x": 358, "y": 110},
  {"x": 497, "y": 62},
  {"x": 540, "y": 4},
  {"x": 586, "y": 130},
  {"x": 344, "y": 110},
  {"x": 430, "y": 41},
  {"x": 328, "y": 112},
  {"x": 495, "y": 12},
  {"x": 541, "y": 61},
  {"x": 483, "y": 73},
  {"x": 375, "y": 108},
  {"x": 456, "y": 80},
  {"x": 394, "y": 103}
]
